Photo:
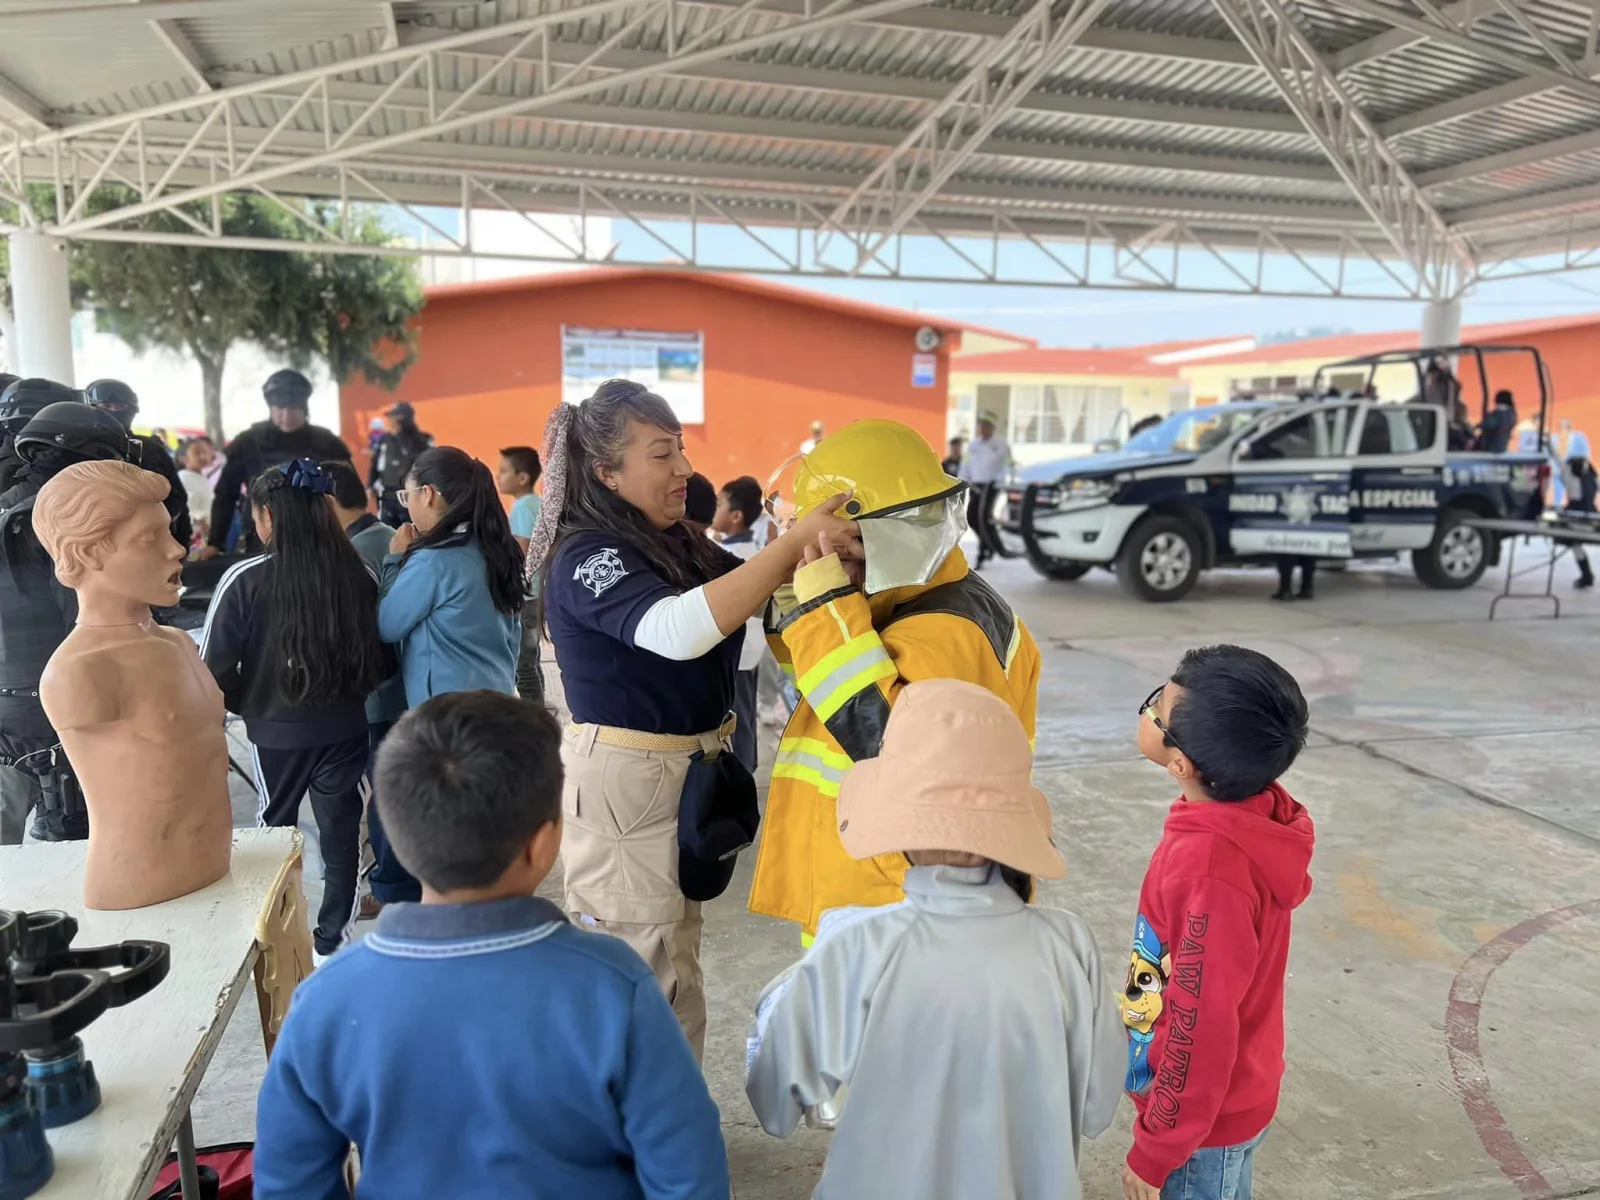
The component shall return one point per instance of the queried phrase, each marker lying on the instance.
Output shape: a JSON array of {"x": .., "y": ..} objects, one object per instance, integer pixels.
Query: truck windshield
[{"x": 1193, "y": 432}]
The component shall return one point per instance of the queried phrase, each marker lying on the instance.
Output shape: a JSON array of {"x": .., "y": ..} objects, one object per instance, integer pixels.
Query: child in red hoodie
[{"x": 1204, "y": 998}]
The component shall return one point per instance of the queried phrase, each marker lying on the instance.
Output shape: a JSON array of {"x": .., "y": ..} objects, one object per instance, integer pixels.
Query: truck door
[
  {"x": 1395, "y": 476},
  {"x": 1290, "y": 488}
]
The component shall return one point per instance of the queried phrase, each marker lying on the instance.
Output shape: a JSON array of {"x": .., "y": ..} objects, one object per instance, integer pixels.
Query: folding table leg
[{"x": 188, "y": 1167}]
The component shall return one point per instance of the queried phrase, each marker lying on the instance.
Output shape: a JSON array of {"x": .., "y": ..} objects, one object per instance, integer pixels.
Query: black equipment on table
[{"x": 49, "y": 993}]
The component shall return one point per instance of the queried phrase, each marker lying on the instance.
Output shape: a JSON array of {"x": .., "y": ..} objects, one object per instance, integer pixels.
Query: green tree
[{"x": 353, "y": 311}]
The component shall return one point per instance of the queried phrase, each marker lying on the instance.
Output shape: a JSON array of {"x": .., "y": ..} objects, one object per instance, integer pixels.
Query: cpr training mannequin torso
[{"x": 138, "y": 713}]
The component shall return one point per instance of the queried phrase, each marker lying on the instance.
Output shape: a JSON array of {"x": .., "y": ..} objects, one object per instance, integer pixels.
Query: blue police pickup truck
[{"x": 1244, "y": 482}]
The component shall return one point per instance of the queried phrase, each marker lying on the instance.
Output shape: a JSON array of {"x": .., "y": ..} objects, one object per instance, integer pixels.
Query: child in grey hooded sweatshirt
[{"x": 977, "y": 1036}]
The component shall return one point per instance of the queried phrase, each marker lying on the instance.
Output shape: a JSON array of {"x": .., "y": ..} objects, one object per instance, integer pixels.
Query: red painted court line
[{"x": 1466, "y": 1057}]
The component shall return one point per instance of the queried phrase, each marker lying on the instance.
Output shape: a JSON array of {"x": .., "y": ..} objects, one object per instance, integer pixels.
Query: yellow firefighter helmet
[{"x": 886, "y": 464}]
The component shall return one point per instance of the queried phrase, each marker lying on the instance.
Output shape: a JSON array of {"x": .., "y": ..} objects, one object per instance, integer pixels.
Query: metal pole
[
  {"x": 188, "y": 1168},
  {"x": 42, "y": 306}
]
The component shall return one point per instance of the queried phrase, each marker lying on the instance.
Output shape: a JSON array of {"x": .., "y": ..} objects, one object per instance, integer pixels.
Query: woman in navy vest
[{"x": 647, "y": 618}]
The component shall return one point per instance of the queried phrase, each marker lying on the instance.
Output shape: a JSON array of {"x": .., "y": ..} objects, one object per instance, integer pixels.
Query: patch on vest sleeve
[{"x": 600, "y": 570}]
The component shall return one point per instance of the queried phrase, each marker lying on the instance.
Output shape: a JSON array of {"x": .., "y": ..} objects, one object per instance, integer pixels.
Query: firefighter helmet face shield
[{"x": 906, "y": 545}]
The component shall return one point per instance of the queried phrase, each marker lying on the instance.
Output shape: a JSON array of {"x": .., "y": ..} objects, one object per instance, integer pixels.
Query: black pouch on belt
[{"x": 717, "y": 817}]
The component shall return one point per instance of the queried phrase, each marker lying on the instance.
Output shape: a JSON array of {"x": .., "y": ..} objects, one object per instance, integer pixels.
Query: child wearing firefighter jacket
[
  {"x": 1203, "y": 1001},
  {"x": 852, "y": 635}
]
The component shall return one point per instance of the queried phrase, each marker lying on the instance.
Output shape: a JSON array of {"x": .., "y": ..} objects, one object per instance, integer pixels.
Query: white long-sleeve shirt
[
  {"x": 986, "y": 460},
  {"x": 978, "y": 1038}
]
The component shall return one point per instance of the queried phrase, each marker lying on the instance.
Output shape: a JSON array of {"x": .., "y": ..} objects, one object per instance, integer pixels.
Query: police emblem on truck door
[{"x": 1299, "y": 506}]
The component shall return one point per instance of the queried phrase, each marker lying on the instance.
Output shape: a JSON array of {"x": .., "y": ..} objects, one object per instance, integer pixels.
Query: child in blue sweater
[
  {"x": 476, "y": 1045},
  {"x": 452, "y": 582}
]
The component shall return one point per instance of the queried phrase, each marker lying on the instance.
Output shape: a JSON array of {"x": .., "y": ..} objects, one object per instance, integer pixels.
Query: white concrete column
[
  {"x": 1441, "y": 323},
  {"x": 41, "y": 297}
]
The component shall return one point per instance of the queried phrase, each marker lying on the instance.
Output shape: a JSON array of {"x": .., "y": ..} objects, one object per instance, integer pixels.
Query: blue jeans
[{"x": 1215, "y": 1173}]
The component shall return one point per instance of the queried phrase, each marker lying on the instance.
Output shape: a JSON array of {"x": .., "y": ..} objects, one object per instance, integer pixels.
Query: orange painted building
[{"x": 775, "y": 358}]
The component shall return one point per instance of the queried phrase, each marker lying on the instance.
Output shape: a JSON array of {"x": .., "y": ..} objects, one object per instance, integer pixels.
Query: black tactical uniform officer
[
  {"x": 391, "y": 462},
  {"x": 36, "y": 614},
  {"x": 8, "y": 432},
  {"x": 284, "y": 437},
  {"x": 20, "y": 402},
  {"x": 118, "y": 399}
]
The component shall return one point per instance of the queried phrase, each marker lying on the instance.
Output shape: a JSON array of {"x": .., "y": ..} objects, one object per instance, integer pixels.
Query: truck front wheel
[
  {"x": 1458, "y": 555},
  {"x": 1160, "y": 559}
]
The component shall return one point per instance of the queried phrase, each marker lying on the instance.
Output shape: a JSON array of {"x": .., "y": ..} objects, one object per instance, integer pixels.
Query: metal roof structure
[{"x": 1396, "y": 148}]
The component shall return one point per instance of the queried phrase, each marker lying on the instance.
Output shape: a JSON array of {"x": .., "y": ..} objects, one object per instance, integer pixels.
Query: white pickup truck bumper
[{"x": 1086, "y": 534}]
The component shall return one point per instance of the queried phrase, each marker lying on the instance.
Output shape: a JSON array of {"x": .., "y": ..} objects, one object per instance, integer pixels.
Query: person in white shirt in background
[
  {"x": 810, "y": 444},
  {"x": 738, "y": 513},
  {"x": 1574, "y": 442},
  {"x": 196, "y": 455},
  {"x": 987, "y": 459}
]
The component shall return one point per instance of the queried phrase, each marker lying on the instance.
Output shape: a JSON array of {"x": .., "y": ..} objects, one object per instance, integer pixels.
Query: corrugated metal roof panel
[
  {"x": 814, "y": 113},
  {"x": 1418, "y": 77},
  {"x": 1540, "y": 118},
  {"x": 1535, "y": 179}
]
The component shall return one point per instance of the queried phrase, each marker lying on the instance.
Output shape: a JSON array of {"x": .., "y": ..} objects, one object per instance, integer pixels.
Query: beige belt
[{"x": 634, "y": 739}]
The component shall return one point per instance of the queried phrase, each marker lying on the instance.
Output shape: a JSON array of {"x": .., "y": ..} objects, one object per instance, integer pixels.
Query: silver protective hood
[{"x": 905, "y": 547}]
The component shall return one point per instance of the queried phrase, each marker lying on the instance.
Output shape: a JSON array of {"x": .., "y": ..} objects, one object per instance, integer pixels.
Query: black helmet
[
  {"x": 6, "y": 381},
  {"x": 79, "y": 429},
  {"x": 114, "y": 396},
  {"x": 287, "y": 389},
  {"x": 22, "y": 399}
]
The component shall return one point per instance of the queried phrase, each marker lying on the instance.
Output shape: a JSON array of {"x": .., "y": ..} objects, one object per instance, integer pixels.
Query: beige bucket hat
[{"x": 954, "y": 773}]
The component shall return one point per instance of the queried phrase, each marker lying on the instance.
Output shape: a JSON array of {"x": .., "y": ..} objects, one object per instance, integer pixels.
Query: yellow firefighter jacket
[{"x": 850, "y": 654}]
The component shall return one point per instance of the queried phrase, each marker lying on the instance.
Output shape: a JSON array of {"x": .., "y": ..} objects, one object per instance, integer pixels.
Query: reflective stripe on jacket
[{"x": 850, "y": 654}]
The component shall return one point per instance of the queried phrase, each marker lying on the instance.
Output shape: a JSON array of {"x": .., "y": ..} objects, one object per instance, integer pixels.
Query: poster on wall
[{"x": 672, "y": 365}]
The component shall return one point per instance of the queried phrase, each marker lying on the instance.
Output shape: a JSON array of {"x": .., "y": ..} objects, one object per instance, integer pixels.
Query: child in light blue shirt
[{"x": 519, "y": 471}]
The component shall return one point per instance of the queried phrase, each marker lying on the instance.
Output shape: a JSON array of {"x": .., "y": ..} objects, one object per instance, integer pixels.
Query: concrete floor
[{"x": 1457, "y": 881}]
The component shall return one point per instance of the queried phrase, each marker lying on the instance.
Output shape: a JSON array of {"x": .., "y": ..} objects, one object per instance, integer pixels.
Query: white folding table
[
  {"x": 1563, "y": 531},
  {"x": 150, "y": 1056}
]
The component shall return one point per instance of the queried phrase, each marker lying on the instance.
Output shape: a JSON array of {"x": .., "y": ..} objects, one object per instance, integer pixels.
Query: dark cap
[
  {"x": 717, "y": 817},
  {"x": 400, "y": 410},
  {"x": 287, "y": 389}
]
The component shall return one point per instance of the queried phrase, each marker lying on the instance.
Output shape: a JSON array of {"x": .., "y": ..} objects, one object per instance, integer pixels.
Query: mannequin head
[{"x": 105, "y": 526}]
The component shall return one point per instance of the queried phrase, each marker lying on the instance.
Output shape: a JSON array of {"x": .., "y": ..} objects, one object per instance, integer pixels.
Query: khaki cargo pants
[{"x": 620, "y": 857}]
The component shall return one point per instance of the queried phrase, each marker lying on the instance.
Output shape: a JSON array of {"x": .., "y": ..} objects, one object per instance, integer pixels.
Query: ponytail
[
  {"x": 581, "y": 437},
  {"x": 474, "y": 505}
]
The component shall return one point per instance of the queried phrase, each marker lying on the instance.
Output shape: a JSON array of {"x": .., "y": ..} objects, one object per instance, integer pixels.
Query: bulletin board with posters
[{"x": 672, "y": 365}]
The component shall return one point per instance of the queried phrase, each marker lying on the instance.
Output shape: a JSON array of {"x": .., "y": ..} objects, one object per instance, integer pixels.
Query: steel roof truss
[
  {"x": 1117, "y": 250},
  {"x": 955, "y": 128},
  {"x": 1438, "y": 28},
  {"x": 1358, "y": 153},
  {"x": 556, "y": 84}
]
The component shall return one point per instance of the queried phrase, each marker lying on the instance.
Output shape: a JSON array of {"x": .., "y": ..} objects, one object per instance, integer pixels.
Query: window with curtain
[
  {"x": 1050, "y": 415},
  {"x": 1034, "y": 421}
]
